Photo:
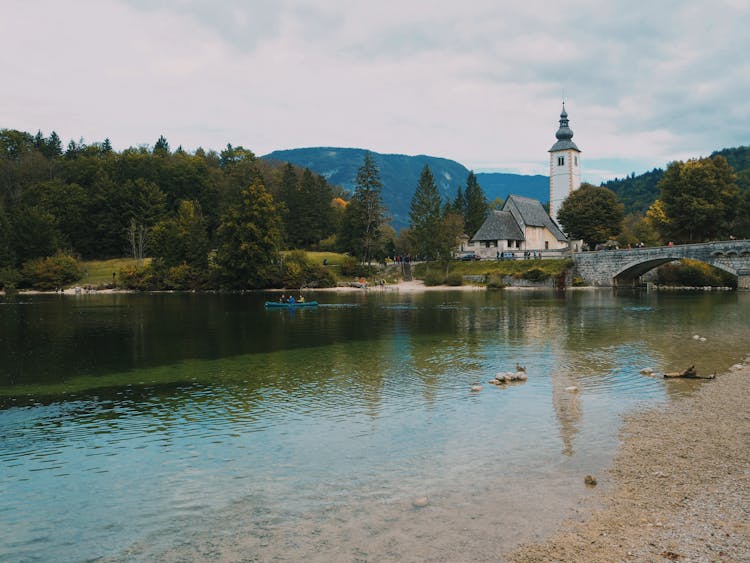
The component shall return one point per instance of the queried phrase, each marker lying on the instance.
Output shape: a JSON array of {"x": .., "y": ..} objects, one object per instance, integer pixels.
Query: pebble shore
[{"x": 679, "y": 487}]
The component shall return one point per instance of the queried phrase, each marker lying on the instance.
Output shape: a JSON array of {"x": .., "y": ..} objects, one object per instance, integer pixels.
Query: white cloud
[{"x": 479, "y": 82}]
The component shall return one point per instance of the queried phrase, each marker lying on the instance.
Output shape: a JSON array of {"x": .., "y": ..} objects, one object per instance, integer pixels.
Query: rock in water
[
  {"x": 420, "y": 502},
  {"x": 572, "y": 389},
  {"x": 476, "y": 387},
  {"x": 647, "y": 371},
  {"x": 590, "y": 480}
]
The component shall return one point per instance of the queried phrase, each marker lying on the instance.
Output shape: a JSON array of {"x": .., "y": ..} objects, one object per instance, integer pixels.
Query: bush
[
  {"x": 578, "y": 282},
  {"x": 690, "y": 273},
  {"x": 433, "y": 277},
  {"x": 495, "y": 282},
  {"x": 298, "y": 271},
  {"x": 9, "y": 279},
  {"x": 185, "y": 277},
  {"x": 535, "y": 275},
  {"x": 352, "y": 268},
  {"x": 454, "y": 279},
  {"x": 145, "y": 279},
  {"x": 50, "y": 273}
]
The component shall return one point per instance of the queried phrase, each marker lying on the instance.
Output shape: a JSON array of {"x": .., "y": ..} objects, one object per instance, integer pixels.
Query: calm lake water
[{"x": 174, "y": 427}]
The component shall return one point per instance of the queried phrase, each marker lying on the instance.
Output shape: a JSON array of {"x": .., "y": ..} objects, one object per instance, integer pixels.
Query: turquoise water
[{"x": 173, "y": 426}]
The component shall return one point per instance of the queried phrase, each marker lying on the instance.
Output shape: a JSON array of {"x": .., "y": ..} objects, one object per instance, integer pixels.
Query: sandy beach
[{"x": 679, "y": 488}]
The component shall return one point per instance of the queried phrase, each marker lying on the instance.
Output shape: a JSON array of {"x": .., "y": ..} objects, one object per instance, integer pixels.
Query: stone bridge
[{"x": 624, "y": 267}]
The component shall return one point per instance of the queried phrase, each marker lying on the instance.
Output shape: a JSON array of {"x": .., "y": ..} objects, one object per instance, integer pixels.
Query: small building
[{"x": 521, "y": 225}]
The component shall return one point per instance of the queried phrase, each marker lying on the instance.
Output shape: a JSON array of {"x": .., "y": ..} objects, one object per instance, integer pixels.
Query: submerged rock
[
  {"x": 590, "y": 480},
  {"x": 647, "y": 371},
  {"x": 476, "y": 387},
  {"x": 572, "y": 389},
  {"x": 420, "y": 502}
]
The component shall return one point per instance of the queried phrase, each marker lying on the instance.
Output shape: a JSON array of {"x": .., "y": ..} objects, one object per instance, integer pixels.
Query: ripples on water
[{"x": 306, "y": 435}]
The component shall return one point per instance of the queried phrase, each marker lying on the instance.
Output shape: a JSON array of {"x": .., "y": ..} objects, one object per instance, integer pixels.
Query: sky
[{"x": 477, "y": 81}]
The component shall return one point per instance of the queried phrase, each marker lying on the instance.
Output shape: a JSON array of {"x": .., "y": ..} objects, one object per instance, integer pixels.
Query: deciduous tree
[
  {"x": 700, "y": 199},
  {"x": 591, "y": 214}
]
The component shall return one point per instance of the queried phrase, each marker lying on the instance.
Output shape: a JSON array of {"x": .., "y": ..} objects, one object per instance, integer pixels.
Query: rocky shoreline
[{"x": 678, "y": 489}]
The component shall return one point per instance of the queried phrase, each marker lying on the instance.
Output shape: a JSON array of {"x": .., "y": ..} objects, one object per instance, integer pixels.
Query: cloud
[{"x": 478, "y": 82}]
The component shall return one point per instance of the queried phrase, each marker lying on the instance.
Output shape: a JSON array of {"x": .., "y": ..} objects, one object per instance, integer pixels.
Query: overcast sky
[{"x": 476, "y": 81}]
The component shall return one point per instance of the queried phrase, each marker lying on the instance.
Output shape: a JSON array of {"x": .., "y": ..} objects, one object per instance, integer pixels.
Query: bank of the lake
[{"x": 679, "y": 488}]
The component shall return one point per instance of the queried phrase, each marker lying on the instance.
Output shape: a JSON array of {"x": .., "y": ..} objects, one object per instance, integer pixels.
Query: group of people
[
  {"x": 291, "y": 300},
  {"x": 527, "y": 255}
]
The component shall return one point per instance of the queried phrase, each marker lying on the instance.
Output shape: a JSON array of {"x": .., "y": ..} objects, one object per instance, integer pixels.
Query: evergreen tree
[
  {"x": 459, "y": 203},
  {"x": 425, "y": 215},
  {"x": 162, "y": 146},
  {"x": 476, "y": 205},
  {"x": 369, "y": 210},
  {"x": 249, "y": 240},
  {"x": 106, "y": 146},
  {"x": 182, "y": 239},
  {"x": 7, "y": 255},
  {"x": 54, "y": 146}
]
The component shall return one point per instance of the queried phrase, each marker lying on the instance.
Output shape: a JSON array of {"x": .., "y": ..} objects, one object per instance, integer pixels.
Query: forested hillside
[
  {"x": 400, "y": 175},
  {"x": 637, "y": 193},
  {"x": 90, "y": 201}
]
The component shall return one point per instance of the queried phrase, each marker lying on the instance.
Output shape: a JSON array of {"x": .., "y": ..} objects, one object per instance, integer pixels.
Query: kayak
[{"x": 271, "y": 304}]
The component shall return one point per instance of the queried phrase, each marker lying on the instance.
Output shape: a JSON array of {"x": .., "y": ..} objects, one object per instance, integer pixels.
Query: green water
[{"x": 188, "y": 426}]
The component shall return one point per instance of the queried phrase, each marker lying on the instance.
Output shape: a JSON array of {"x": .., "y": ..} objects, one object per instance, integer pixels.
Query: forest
[{"x": 222, "y": 220}]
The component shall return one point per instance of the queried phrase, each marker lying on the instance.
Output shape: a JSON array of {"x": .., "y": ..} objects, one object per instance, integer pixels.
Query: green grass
[
  {"x": 497, "y": 267},
  {"x": 333, "y": 258},
  {"x": 99, "y": 272}
]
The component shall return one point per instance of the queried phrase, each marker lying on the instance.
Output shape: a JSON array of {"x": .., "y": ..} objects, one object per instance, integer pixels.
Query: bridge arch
[{"x": 629, "y": 274}]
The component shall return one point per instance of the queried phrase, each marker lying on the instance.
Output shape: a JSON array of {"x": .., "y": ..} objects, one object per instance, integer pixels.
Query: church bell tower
[{"x": 564, "y": 166}]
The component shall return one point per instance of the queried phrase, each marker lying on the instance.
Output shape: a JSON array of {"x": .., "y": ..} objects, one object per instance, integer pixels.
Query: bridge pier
[{"x": 743, "y": 280}]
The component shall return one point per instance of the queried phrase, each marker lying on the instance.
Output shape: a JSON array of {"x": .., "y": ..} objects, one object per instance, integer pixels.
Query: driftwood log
[{"x": 689, "y": 373}]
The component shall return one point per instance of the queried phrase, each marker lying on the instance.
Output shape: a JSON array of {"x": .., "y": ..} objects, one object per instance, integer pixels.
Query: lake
[{"x": 203, "y": 426}]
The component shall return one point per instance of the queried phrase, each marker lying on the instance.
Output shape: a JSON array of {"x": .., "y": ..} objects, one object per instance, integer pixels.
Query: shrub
[
  {"x": 433, "y": 277},
  {"x": 145, "y": 279},
  {"x": 298, "y": 271},
  {"x": 578, "y": 282},
  {"x": 185, "y": 277},
  {"x": 52, "y": 272},
  {"x": 495, "y": 282},
  {"x": 690, "y": 273},
  {"x": 454, "y": 279},
  {"x": 535, "y": 275},
  {"x": 9, "y": 279}
]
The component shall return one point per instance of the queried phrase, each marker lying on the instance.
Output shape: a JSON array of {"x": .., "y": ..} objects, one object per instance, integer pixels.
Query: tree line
[{"x": 698, "y": 200}]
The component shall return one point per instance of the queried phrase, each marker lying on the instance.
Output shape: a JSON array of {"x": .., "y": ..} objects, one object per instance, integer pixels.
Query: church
[{"x": 523, "y": 224}]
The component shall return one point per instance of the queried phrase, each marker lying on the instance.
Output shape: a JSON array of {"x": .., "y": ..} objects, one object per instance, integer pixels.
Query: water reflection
[{"x": 286, "y": 424}]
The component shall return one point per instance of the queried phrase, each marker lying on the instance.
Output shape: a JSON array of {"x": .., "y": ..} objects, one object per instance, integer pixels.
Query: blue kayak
[{"x": 271, "y": 304}]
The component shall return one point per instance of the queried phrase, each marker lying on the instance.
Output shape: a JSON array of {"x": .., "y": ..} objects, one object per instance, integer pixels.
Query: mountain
[{"x": 400, "y": 175}]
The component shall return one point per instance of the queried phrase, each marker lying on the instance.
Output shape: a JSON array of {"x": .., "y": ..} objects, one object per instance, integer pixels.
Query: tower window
[
  {"x": 575, "y": 160},
  {"x": 561, "y": 161}
]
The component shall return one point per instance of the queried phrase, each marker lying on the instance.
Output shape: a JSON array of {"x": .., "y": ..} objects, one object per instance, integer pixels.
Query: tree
[
  {"x": 591, "y": 214},
  {"x": 182, "y": 239},
  {"x": 367, "y": 214},
  {"x": 162, "y": 146},
  {"x": 425, "y": 215},
  {"x": 476, "y": 205},
  {"x": 459, "y": 203},
  {"x": 249, "y": 240},
  {"x": 700, "y": 199}
]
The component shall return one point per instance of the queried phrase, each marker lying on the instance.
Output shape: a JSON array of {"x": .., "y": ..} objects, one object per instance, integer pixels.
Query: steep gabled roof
[
  {"x": 500, "y": 225},
  {"x": 527, "y": 211}
]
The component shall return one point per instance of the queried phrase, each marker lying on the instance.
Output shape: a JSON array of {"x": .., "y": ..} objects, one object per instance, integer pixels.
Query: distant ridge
[{"x": 400, "y": 174}]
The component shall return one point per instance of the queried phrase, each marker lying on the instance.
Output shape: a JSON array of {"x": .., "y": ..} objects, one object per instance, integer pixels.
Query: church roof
[
  {"x": 564, "y": 134},
  {"x": 527, "y": 211},
  {"x": 500, "y": 225}
]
